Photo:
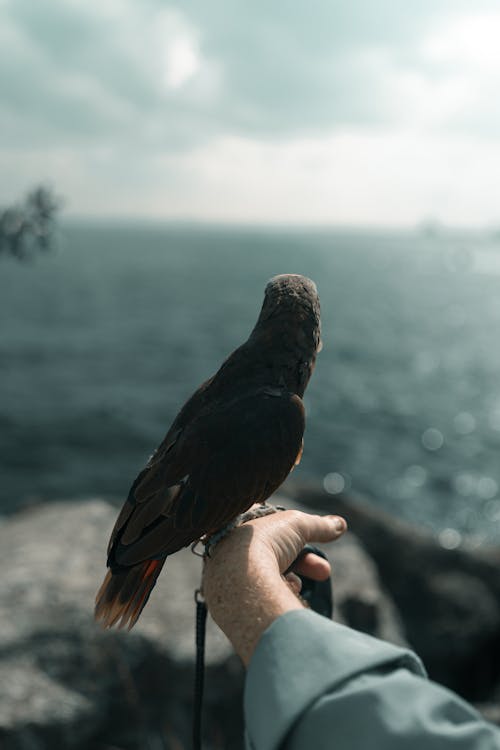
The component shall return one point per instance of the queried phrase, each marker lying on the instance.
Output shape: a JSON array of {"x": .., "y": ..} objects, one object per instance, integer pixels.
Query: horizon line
[{"x": 426, "y": 227}]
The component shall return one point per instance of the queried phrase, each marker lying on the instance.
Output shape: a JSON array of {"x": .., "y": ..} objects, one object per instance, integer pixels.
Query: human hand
[{"x": 245, "y": 581}]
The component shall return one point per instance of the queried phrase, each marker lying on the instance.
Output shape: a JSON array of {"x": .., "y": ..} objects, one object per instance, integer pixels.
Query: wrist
[{"x": 245, "y": 602}]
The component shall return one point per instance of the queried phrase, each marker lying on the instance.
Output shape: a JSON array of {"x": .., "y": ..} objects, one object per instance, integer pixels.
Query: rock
[
  {"x": 65, "y": 683},
  {"x": 360, "y": 600},
  {"x": 490, "y": 711},
  {"x": 449, "y": 600}
]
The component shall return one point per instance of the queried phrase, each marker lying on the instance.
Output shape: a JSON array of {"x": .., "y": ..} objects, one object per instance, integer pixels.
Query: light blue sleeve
[{"x": 313, "y": 683}]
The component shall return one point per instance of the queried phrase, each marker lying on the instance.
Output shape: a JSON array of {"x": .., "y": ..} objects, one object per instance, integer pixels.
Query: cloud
[
  {"x": 191, "y": 103},
  {"x": 182, "y": 62},
  {"x": 465, "y": 55},
  {"x": 114, "y": 71},
  {"x": 291, "y": 69},
  {"x": 187, "y": 72}
]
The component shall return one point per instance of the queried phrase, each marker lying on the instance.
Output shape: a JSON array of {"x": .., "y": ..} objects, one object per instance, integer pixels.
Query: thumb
[
  {"x": 291, "y": 530},
  {"x": 313, "y": 528}
]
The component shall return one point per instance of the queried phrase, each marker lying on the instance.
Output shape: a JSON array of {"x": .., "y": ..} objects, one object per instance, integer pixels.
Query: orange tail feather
[{"x": 124, "y": 593}]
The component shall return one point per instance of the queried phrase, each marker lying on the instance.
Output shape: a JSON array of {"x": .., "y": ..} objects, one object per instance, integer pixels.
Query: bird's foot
[
  {"x": 211, "y": 541},
  {"x": 258, "y": 511}
]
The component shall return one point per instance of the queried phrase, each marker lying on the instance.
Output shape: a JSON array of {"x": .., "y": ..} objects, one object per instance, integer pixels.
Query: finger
[
  {"x": 287, "y": 533},
  {"x": 313, "y": 566},
  {"x": 319, "y": 528},
  {"x": 294, "y": 582}
]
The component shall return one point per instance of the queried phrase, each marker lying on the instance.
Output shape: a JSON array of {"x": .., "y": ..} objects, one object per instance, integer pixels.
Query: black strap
[
  {"x": 199, "y": 674},
  {"x": 318, "y": 594}
]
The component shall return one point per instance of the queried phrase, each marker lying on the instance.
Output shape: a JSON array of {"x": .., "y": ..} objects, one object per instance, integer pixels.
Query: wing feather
[{"x": 226, "y": 459}]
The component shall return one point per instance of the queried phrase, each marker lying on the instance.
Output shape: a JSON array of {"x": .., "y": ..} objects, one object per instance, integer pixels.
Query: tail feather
[{"x": 124, "y": 593}]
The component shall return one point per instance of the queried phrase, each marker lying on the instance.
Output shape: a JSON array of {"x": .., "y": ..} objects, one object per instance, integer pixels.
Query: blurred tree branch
[{"x": 28, "y": 227}]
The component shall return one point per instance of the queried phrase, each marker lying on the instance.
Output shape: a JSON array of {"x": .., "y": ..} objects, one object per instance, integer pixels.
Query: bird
[{"x": 231, "y": 446}]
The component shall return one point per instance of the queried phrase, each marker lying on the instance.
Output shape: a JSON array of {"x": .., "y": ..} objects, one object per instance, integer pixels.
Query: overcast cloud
[{"x": 362, "y": 112}]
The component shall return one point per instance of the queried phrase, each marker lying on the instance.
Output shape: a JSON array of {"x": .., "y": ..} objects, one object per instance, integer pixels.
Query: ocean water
[{"x": 102, "y": 341}]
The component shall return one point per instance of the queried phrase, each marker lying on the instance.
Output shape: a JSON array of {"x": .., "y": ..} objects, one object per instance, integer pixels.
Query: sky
[{"x": 366, "y": 113}]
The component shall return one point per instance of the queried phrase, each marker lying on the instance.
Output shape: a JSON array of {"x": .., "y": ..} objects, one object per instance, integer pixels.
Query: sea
[{"x": 104, "y": 338}]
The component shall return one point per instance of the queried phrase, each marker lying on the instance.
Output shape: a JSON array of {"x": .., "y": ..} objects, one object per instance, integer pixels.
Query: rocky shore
[{"x": 64, "y": 683}]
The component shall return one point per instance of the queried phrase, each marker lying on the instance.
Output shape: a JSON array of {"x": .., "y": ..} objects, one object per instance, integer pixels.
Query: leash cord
[
  {"x": 199, "y": 675},
  {"x": 201, "y": 614}
]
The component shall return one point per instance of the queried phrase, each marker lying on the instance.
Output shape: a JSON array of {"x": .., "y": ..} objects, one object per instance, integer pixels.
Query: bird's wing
[{"x": 227, "y": 458}]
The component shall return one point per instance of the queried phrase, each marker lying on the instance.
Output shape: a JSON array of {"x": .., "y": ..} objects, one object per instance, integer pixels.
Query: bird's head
[{"x": 291, "y": 311}]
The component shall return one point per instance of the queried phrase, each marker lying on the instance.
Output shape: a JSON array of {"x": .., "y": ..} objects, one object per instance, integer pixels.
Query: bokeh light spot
[
  {"x": 432, "y": 439},
  {"x": 464, "y": 423},
  {"x": 465, "y": 483},
  {"x": 494, "y": 419},
  {"x": 450, "y": 538},
  {"x": 334, "y": 483},
  {"x": 415, "y": 475},
  {"x": 492, "y": 510},
  {"x": 487, "y": 488}
]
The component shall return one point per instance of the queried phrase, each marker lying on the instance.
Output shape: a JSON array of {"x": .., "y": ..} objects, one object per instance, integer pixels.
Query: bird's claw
[{"x": 259, "y": 511}]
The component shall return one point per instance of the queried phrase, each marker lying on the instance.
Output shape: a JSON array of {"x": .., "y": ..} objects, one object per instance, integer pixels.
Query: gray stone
[
  {"x": 65, "y": 683},
  {"x": 360, "y": 599}
]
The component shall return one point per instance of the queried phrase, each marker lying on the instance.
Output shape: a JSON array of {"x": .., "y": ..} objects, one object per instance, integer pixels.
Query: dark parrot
[{"x": 231, "y": 445}]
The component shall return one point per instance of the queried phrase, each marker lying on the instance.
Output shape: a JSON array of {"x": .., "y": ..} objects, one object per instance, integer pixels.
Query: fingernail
[{"x": 339, "y": 523}]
